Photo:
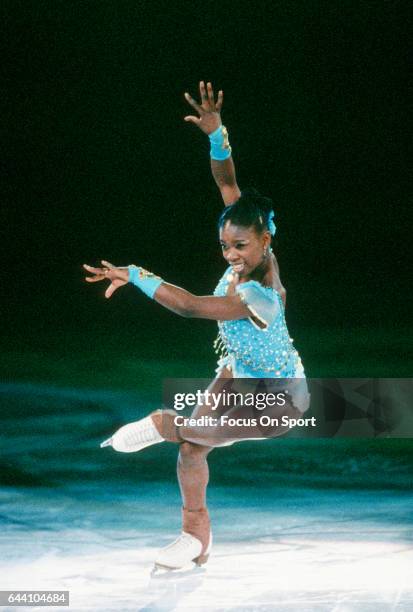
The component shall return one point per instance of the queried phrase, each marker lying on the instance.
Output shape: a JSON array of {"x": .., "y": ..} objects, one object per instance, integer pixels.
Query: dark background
[{"x": 98, "y": 163}]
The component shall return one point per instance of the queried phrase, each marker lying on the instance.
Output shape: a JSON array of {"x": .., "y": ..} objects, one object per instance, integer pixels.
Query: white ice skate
[
  {"x": 134, "y": 436},
  {"x": 183, "y": 554}
]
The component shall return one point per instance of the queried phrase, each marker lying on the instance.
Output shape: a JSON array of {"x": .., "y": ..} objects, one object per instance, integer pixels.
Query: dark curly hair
[{"x": 251, "y": 210}]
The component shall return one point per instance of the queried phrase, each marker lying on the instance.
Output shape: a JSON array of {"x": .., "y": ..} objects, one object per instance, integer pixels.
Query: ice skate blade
[
  {"x": 175, "y": 573},
  {"x": 107, "y": 442}
]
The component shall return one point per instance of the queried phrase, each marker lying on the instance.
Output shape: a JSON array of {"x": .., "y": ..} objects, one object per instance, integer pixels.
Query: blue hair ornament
[{"x": 271, "y": 225}]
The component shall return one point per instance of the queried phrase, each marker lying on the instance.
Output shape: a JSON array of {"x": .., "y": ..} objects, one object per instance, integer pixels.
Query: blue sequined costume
[{"x": 251, "y": 350}]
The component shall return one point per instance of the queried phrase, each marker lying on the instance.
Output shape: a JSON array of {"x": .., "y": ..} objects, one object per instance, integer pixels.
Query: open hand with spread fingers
[
  {"x": 209, "y": 111},
  {"x": 117, "y": 276}
]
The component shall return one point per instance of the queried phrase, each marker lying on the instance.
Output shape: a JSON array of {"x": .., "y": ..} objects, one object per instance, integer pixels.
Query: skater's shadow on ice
[{"x": 168, "y": 589}]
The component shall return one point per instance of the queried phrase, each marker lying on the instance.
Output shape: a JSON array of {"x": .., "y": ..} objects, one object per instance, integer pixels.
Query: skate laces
[
  {"x": 184, "y": 541},
  {"x": 142, "y": 432}
]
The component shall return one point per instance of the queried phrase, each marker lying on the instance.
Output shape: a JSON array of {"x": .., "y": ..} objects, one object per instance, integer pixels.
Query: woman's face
[{"x": 242, "y": 247}]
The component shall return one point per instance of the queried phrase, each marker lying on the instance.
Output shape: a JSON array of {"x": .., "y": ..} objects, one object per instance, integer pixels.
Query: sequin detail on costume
[
  {"x": 146, "y": 274},
  {"x": 219, "y": 347},
  {"x": 225, "y": 144},
  {"x": 257, "y": 351}
]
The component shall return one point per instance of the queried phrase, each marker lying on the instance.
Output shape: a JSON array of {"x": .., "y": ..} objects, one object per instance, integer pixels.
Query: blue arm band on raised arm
[
  {"x": 220, "y": 147},
  {"x": 144, "y": 280}
]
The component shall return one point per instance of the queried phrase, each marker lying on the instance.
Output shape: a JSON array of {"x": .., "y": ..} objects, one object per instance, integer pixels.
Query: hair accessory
[
  {"x": 271, "y": 225},
  {"x": 220, "y": 147},
  {"x": 144, "y": 280}
]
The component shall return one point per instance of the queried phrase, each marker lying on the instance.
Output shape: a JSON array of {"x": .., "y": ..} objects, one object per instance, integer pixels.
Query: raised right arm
[
  {"x": 209, "y": 121},
  {"x": 225, "y": 178}
]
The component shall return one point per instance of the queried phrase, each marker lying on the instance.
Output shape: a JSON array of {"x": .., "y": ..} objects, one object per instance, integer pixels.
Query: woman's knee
[{"x": 190, "y": 453}]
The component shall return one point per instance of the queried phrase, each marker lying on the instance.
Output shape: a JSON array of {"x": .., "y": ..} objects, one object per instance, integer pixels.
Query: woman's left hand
[
  {"x": 117, "y": 276},
  {"x": 209, "y": 111}
]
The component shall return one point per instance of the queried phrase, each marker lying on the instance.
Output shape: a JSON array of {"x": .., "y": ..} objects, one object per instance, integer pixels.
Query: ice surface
[{"x": 316, "y": 563}]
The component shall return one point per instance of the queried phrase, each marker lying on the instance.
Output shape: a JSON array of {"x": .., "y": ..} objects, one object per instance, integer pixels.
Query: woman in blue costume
[{"x": 249, "y": 304}]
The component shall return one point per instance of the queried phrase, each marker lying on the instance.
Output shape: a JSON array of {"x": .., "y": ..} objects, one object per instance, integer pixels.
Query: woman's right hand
[
  {"x": 209, "y": 111},
  {"x": 117, "y": 276}
]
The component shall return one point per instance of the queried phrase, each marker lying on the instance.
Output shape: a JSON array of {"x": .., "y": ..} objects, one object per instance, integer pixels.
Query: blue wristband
[
  {"x": 220, "y": 147},
  {"x": 144, "y": 280}
]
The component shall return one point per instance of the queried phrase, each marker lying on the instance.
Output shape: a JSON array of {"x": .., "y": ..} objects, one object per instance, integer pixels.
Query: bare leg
[
  {"x": 241, "y": 422},
  {"x": 192, "y": 469},
  {"x": 193, "y": 475},
  {"x": 195, "y": 444},
  {"x": 208, "y": 436},
  {"x": 196, "y": 441}
]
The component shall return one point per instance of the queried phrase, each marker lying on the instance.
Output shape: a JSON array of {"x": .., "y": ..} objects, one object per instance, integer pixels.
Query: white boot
[
  {"x": 140, "y": 434},
  {"x": 182, "y": 552},
  {"x": 193, "y": 545}
]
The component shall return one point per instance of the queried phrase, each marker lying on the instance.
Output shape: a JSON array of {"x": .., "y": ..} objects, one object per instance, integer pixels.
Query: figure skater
[{"x": 249, "y": 305}]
